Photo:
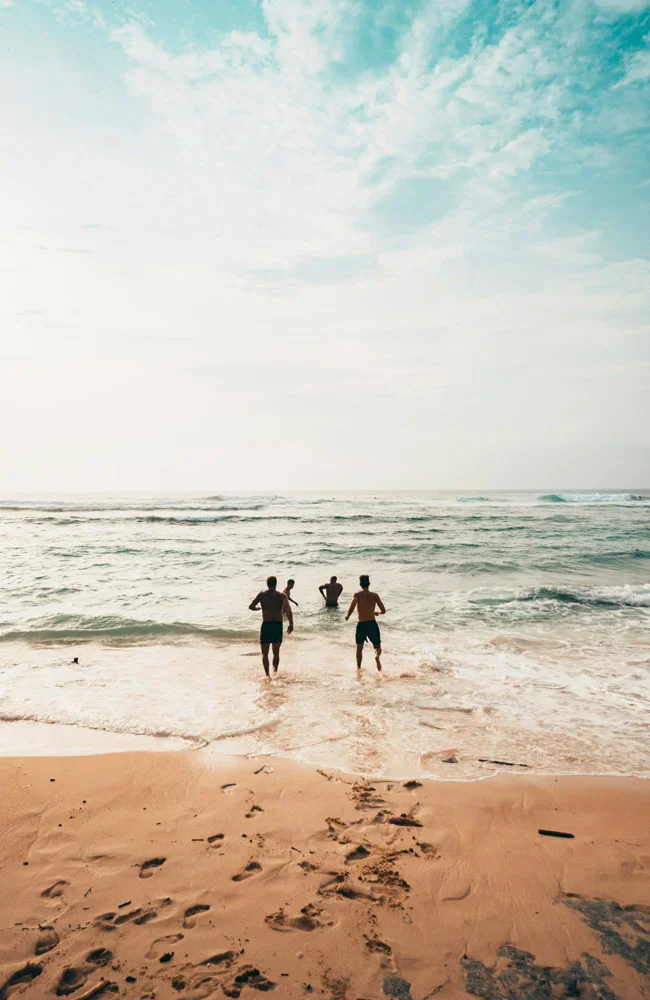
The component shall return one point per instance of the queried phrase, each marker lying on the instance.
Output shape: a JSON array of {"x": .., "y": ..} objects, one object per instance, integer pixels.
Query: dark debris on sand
[
  {"x": 521, "y": 979},
  {"x": 394, "y": 986},
  {"x": 623, "y": 930}
]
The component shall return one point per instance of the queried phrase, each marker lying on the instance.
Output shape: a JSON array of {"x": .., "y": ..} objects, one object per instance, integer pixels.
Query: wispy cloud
[{"x": 448, "y": 197}]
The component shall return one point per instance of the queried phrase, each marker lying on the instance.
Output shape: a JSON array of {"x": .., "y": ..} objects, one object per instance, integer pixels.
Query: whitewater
[{"x": 517, "y": 627}]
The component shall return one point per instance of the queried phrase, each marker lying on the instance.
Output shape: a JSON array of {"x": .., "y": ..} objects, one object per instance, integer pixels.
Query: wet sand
[{"x": 167, "y": 875}]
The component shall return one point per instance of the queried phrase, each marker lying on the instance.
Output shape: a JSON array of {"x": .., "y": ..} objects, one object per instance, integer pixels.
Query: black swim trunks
[
  {"x": 271, "y": 632},
  {"x": 369, "y": 631}
]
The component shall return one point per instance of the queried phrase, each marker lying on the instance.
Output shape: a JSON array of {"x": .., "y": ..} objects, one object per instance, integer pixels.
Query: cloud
[
  {"x": 623, "y": 6},
  {"x": 637, "y": 69},
  {"x": 61, "y": 249},
  {"x": 430, "y": 231}
]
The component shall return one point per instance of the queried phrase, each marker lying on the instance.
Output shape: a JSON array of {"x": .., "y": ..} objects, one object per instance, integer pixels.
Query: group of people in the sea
[{"x": 275, "y": 604}]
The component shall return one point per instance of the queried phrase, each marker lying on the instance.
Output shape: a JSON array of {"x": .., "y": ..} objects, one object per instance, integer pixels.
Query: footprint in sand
[
  {"x": 358, "y": 854},
  {"x": 307, "y": 921},
  {"x": 70, "y": 981},
  {"x": 46, "y": 941},
  {"x": 248, "y": 977},
  {"x": 215, "y": 838},
  {"x": 200, "y": 987},
  {"x": 146, "y": 868},
  {"x": 191, "y": 912},
  {"x": 338, "y": 885},
  {"x": 110, "y": 921},
  {"x": 222, "y": 958},
  {"x": 160, "y": 946},
  {"x": 99, "y": 956},
  {"x": 404, "y": 820},
  {"x": 55, "y": 890},
  {"x": 428, "y": 850},
  {"x": 249, "y": 870},
  {"x": 374, "y": 944},
  {"x": 21, "y": 977},
  {"x": 228, "y": 787}
]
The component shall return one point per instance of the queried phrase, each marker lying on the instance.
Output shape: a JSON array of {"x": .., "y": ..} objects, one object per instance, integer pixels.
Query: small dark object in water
[
  {"x": 556, "y": 833},
  {"x": 76, "y": 659}
]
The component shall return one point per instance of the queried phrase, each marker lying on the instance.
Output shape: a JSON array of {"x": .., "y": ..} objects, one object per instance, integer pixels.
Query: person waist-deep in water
[
  {"x": 274, "y": 605},
  {"x": 330, "y": 592},
  {"x": 366, "y": 601}
]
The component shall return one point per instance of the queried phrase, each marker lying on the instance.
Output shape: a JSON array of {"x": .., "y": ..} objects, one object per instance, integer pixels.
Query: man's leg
[
  {"x": 265, "y": 656},
  {"x": 377, "y": 655},
  {"x": 359, "y": 655},
  {"x": 276, "y": 656}
]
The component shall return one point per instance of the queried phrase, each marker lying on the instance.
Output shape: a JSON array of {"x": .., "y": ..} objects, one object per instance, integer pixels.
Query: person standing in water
[
  {"x": 274, "y": 605},
  {"x": 287, "y": 590},
  {"x": 330, "y": 592},
  {"x": 365, "y": 601}
]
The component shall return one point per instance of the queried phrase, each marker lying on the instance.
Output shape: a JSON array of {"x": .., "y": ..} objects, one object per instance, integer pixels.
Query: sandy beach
[{"x": 160, "y": 875}]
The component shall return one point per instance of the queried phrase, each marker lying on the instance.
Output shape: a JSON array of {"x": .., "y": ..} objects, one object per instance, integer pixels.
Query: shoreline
[
  {"x": 199, "y": 875},
  {"x": 49, "y": 740}
]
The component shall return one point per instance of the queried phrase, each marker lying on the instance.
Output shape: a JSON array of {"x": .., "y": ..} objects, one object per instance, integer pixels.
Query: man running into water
[
  {"x": 273, "y": 605},
  {"x": 287, "y": 590},
  {"x": 330, "y": 592},
  {"x": 365, "y": 601}
]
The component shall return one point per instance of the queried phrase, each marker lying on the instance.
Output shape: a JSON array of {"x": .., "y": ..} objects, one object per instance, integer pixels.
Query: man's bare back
[
  {"x": 365, "y": 601},
  {"x": 331, "y": 592},
  {"x": 273, "y": 604}
]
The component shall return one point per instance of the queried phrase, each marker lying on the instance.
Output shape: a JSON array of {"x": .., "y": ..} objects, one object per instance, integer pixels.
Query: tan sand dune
[{"x": 183, "y": 875}]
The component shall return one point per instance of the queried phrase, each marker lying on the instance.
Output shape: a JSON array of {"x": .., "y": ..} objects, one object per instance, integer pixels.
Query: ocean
[{"x": 517, "y": 630}]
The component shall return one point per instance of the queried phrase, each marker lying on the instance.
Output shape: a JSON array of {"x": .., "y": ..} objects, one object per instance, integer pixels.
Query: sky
[{"x": 324, "y": 244}]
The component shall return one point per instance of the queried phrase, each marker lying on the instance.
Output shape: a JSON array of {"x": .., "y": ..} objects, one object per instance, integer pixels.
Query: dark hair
[
  {"x": 364, "y": 580},
  {"x": 291, "y": 583},
  {"x": 271, "y": 582},
  {"x": 332, "y": 579}
]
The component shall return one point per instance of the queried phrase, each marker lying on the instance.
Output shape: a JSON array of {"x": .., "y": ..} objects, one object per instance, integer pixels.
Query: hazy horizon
[{"x": 280, "y": 241}]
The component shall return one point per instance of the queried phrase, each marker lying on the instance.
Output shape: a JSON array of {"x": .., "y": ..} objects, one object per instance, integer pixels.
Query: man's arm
[
  {"x": 322, "y": 588},
  {"x": 255, "y": 604},
  {"x": 286, "y": 607},
  {"x": 293, "y": 602},
  {"x": 353, "y": 605},
  {"x": 380, "y": 605}
]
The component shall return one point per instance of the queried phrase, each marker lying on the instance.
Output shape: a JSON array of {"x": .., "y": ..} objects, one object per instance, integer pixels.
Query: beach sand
[{"x": 186, "y": 875}]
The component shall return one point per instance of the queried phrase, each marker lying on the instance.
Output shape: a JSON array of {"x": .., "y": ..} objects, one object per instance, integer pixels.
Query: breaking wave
[
  {"x": 595, "y": 597},
  {"x": 591, "y": 497},
  {"x": 63, "y": 629}
]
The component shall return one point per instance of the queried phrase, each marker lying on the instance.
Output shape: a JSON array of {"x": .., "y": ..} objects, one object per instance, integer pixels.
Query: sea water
[{"x": 517, "y": 626}]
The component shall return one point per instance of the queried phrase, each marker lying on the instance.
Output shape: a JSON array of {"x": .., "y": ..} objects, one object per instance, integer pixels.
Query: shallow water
[{"x": 517, "y": 625}]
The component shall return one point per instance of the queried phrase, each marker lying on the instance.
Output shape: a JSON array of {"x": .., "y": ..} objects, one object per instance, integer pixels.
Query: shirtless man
[
  {"x": 365, "y": 601},
  {"x": 330, "y": 592},
  {"x": 287, "y": 590},
  {"x": 273, "y": 605}
]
